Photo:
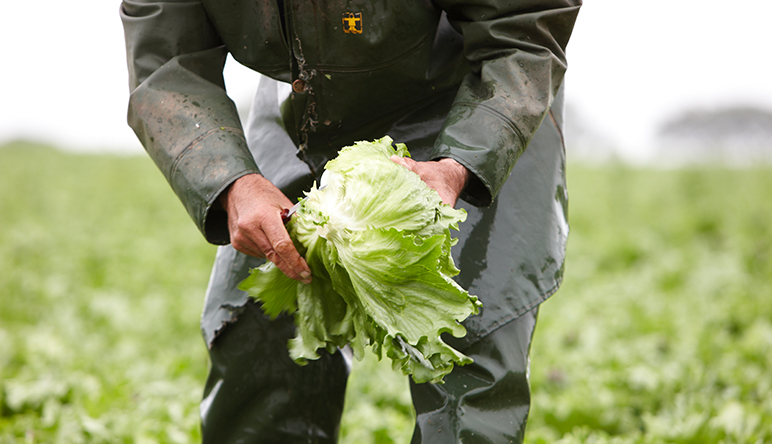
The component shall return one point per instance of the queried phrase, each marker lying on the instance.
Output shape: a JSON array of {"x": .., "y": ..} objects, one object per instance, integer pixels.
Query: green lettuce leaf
[{"x": 377, "y": 240}]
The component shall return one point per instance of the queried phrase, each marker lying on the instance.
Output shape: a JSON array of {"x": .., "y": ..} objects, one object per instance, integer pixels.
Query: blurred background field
[{"x": 662, "y": 331}]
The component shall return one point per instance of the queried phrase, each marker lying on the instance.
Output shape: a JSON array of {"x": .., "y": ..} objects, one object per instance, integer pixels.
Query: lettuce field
[{"x": 661, "y": 333}]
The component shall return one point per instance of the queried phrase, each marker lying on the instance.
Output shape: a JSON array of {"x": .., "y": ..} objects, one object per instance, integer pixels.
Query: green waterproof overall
[{"x": 477, "y": 81}]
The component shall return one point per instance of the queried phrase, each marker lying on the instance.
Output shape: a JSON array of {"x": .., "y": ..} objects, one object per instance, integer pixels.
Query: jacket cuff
[
  {"x": 203, "y": 170},
  {"x": 486, "y": 143}
]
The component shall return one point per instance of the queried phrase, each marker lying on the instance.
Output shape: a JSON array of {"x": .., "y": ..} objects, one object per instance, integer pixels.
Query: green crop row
[{"x": 662, "y": 331}]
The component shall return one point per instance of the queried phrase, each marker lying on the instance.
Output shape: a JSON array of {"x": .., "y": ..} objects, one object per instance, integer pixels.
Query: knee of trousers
[
  {"x": 256, "y": 394},
  {"x": 483, "y": 402}
]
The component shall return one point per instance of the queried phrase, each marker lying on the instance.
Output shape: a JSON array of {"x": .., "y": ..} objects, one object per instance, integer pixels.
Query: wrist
[
  {"x": 457, "y": 173},
  {"x": 242, "y": 181}
]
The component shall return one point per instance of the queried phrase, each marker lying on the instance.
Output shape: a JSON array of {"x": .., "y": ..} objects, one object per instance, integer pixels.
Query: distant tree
[{"x": 735, "y": 135}]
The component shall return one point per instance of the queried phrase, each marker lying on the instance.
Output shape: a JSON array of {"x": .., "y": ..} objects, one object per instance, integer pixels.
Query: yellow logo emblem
[{"x": 352, "y": 22}]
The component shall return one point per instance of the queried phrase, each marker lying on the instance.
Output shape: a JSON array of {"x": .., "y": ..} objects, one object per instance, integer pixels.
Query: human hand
[
  {"x": 446, "y": 176},
  {"x": 254, "y": 206}
]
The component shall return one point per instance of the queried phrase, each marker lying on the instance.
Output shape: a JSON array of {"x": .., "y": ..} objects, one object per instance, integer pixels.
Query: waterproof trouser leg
[
  {"x": 483, "y": 402},
  {"x": 256, "y": 394}
]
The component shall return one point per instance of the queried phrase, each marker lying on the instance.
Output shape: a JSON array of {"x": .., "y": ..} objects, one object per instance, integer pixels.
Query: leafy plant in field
[{"x": 661, "y": 332}]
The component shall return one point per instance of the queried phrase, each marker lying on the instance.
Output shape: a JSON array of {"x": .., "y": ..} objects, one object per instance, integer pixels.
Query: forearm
[
  {"x": 179, "y": 108},
  {"x": 190, "y": 129},
  {"x": 517, "y": 54}
]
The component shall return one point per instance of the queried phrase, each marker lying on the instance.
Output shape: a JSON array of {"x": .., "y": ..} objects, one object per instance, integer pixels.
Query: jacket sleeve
[
  {"x": 179, "y": 108},
  {"x": 516, "y": 49}
]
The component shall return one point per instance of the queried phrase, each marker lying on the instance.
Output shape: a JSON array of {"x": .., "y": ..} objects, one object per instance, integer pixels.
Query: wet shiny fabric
[
  {"x": 483, "y": 402},
  {"x": 256, "y": 394},
  {"x": 499, "y": 62}
]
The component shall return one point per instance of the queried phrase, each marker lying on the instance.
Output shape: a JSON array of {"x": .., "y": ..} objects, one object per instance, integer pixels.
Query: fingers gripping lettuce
[{"x": 377, "y": 240}]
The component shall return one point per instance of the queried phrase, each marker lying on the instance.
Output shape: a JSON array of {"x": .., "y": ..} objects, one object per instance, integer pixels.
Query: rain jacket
[{"x": 474, "y": 80}]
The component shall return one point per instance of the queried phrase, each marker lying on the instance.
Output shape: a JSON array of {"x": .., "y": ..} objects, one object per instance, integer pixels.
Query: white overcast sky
[{"x": 632, "y": 65}]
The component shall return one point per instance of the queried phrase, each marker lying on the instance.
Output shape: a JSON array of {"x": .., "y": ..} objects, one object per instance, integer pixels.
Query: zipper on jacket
[{"x": 303, "y": 102}]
